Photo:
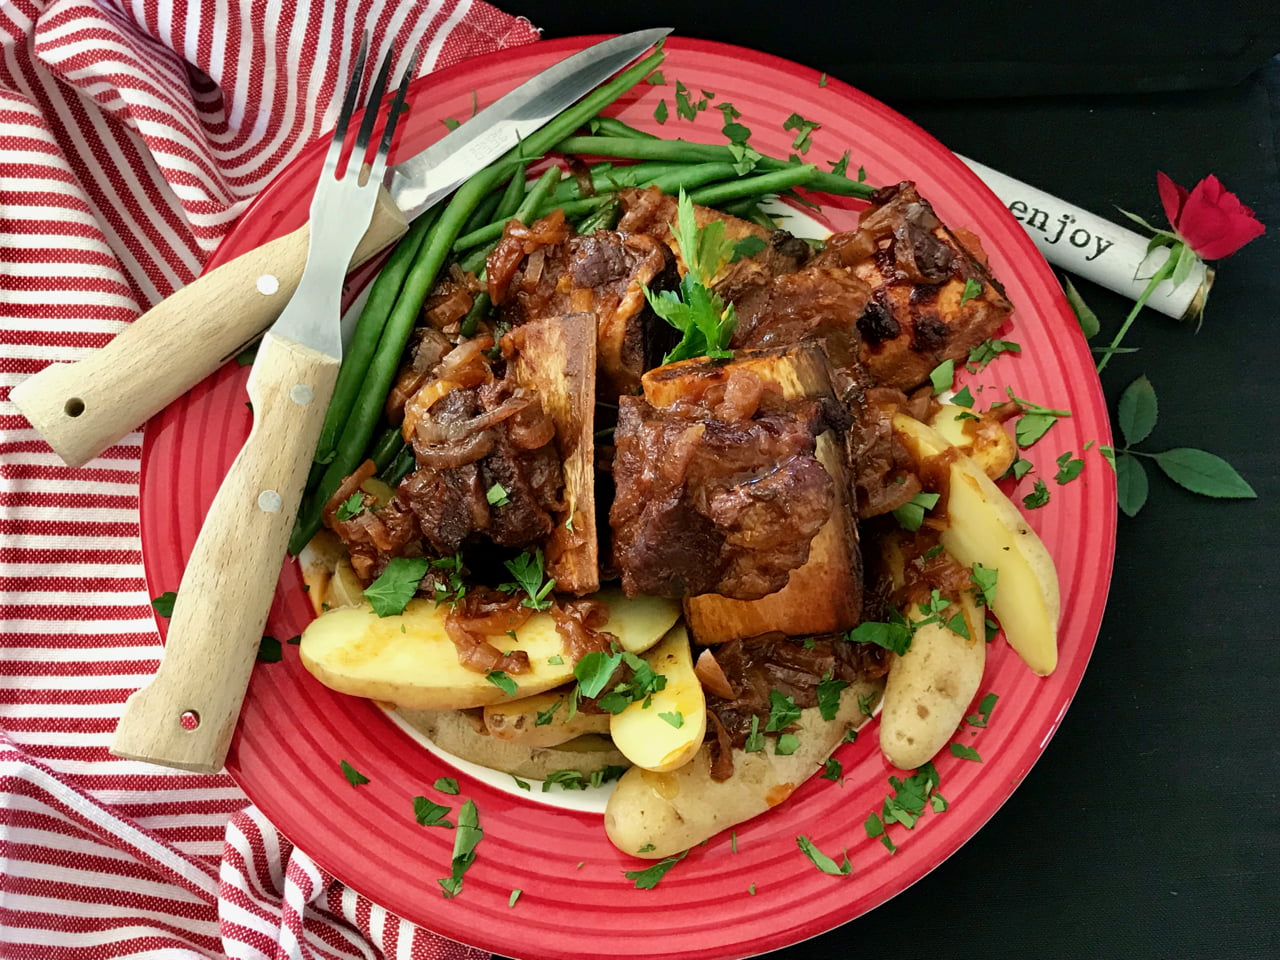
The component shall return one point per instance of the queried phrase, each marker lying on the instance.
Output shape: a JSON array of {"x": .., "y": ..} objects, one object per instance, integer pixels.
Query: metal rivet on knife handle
[{"x": 82, "y": 408}]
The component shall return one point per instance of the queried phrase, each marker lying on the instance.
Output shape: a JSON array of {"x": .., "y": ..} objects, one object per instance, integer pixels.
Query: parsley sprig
[
  {"x": 527, "y": 569},
  {"x": 705, "y": 321}
]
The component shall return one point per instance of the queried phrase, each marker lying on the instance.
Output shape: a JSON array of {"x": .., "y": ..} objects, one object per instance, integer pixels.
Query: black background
[{"x": 1150, "y": 828}]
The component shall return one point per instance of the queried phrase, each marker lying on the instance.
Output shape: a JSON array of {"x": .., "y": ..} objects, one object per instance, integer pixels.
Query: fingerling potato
[
  {"x": 977, "y": 435},
  {"x": 655, "y": 815},
  {"x": 665, "y": 730},
  {"x": 541, "y": 720},
  {"x": 408, "y": 660}
]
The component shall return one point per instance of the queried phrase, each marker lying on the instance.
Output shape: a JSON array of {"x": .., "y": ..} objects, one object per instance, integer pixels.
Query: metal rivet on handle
[
  {"x": 269, "y": 501},
  {"x": 268, "y": 284},
  {"x": 301, "y": 394}
]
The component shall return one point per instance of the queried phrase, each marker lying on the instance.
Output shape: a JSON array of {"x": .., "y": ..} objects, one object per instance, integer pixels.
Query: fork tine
[
  {"x": 348, "y": 105},
  {"x": 393, "y": 118},
  {"x": 373, "y": 107}
]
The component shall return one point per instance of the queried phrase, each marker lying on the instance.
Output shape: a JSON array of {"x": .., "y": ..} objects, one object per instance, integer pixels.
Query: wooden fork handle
[
  {"x": 84, "y": 407},
  {"x": 226, "y": 590}
]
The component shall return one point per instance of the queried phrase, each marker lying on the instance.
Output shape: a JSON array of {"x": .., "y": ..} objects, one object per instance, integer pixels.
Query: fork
[{"x": 186, "y": 715}]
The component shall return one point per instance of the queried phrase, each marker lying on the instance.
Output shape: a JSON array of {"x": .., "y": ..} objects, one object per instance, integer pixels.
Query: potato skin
[
  {"x": 516, "y": 720},
  {"x": 462, "y": 733},
  {"x": 928, "y": 690},
  {"x": 655, "y": 815}
]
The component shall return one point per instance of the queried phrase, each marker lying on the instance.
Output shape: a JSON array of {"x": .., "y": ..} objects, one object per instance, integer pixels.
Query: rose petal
[
  {"x": 1172, "y": 198},
  {"x": 1214, "y": 221}
]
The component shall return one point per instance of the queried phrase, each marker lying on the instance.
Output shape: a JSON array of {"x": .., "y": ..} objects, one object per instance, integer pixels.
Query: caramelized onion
[
  {"x": 482, "y": 614},
  {"x": 711, "y": 676},
  {"x": 579, "y": 624},
  {"x": 345, "y": 489}
]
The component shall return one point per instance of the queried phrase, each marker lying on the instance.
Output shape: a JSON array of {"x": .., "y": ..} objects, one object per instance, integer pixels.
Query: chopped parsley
[
  {"x": 782, "y": 712},
  {"x": 431, "y": 814},
  {"x": 497, "y": 496},
  {"x": 875, "y": 828},
  {"x": 958, "y": 626},
  {"x": 747, "y": 247},
  {"x": 660, "y": 112},
  {"x": 1038, "y": 496},
  {"x": 786, "y": 744},
  {"x": 892, "y": 636},
  {"x": 577, "y": 780},
  {"x": 527, "y": 569},
  {"x": 522, "y": 784},
  {"x": 911, "y": 514},
  {"x": 351, "y": 507},
  {"x": 972, "y": 290},
  {"x": 687, "y": 109},
  {"x": 515, "y": 895},
  {"x": 1035, "y": 420},
  {"x": 865, "y": 703},
  {"x": 555, "y": 660},
  {"x": 648, "y": 878},
  {"x": 163, "y": 604},
  {"x": 988, "y": 350},
  {"x": 965, "y": 752},
  {"x": 985, "y": 706},
  {"x": 503, "y": 682},
  {"x": 963, "y": 398},
  {"x": 1068, "y": 468},
  {"x": 354, "y": 776},
  {"x": 755, "y": 739},
  {"x": 656, "y": 79},
  {"x": 841, "y": 167},
  {"x": 544, "y": 716},
  {"x": 1018, "y": 469},
  {"x": 828, "y": 693},
  {"x": 832, "y": 770},
  {"x": 803, "y": 129},
  {"x": 943, "y": 376},
  {"x": 701, "y": 315},
  {"x": 269, "y": 650},
  {"x": 452, "y": 589},
  {"x": 469, "y": 834},
  {"x": 447, "y": 785},
  {"x": 984, "y": 579},
  {"x": 392, "y": 591},
  {"x": 675, "y": 718},
  {"x": 822, "y": 861}
]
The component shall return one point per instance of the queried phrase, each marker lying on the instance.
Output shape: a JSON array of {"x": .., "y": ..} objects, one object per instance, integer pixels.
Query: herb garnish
[
  {"x": 503, "y": 682},
  {"x": 496, "y": 496},
  {"x": 833, "y": 770},
  {"x": 464, "y": 848},
  {"x": 965, "y": 752},
  {"x": 163, "y": 604},
  {"x": 351, "y": 507},
  {"x": 527, "y": 569},
  {"x": 447, "y": 785},
  {"x": 354, "y": 776},
  {"x": 675, "y": 718},
  {"x": 648, "y": 878},
  {"x": 972, "y": 290},
  {"x": 431, "y": 814},
  {"x": 984, "y": 578},
  {"x": 1035, "y": 420},
  {"x": 660, "y": 112},
  {"x": 1068, "y": 468},
  {"x": 987, "y": 351},
  {"x": 577, "y": 780},
  {"x": 782, "y": 712},
  {"x": 821, "y": 860},
  {"x": 544, "y": 716},
  {"x": 515, "y": 895},
  {"x": 755, "y": 739},
  {"x": 964, "y": 398},
  {"x": 1018, "y": 469},
  {"x": 828, "y": 693},
  {"x": 943, "y": 376},
  {"x": 786, "y": 744},
  {"x": 985, "y": 706},
  {"x": 911, "y": 514},
  {"x": 269, "y": 650},
  {"x": 705, "y": 321},
  {"x": 803, "y": 128},
  {"x": 392, "y": 591},
  {"x": 1038, "y": 496},
  {"x": 895, "y": 636}
]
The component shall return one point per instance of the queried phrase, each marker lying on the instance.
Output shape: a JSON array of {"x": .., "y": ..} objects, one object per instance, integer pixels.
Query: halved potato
[
  {"x": 984, "y": 439},
  {"x": 665, "y": 730},
  {"x": 462, "y": 733},
  {"x": 517, "y": 720},
  {"x": 983, "y": 526},
  {"x": 408, "y": 660}
]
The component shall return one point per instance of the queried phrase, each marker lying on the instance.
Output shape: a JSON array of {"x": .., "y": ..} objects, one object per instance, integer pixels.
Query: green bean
[
  {"x": 754, "y": 186},
  {"x": 474, "y": 261},
  {"x": 572, "y": 208},
  {"x": 364, "y": 341},
  {"x": 485, "y": 211},
  {"x": 386, "y": 447},
  {"x": 537, "y": 196},
  {"x": 606, "y": 218},
  {"x": 693, "y": 175},
  {"x": 435, "y": 248},
  {"x": 479, "y": 308},
  {"x": 605, "y": 178},
  {"x": 613, "y": 127},
  {"x": 510, "y": 198},
  {"x": 675, "y": 150},
  {"x": 399, "y": 468}
]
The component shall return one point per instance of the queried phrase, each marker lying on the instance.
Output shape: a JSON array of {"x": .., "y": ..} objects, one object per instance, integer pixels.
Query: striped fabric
[{"x": 132, "y": 134}]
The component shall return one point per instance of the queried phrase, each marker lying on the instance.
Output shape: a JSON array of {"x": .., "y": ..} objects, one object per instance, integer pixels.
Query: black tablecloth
[{"x": 1150, "y": 828}]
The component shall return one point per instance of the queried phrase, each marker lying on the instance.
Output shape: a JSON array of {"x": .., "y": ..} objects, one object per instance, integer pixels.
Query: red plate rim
[{"x": 719, "y": 902}]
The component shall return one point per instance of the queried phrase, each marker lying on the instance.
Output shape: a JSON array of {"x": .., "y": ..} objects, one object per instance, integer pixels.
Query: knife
[{"x": 84, "y": 407}]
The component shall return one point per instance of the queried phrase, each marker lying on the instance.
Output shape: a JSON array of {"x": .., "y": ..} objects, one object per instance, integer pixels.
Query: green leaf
[
  {"x": 985, "y": 578},
  {"x": 965, "y": 752},
  {"x": 656, "y": 79},
  {"x": 544, "y": 716},
  {"x": 431, "y": 814},
  {"x": 527, "y": 569},
  {"x": 943, "y": 376},
  {"x": 755, "y": 739},
  {"x": 958, "y": 626},
  {"x": 354, "y": 776},
  {"x": 391, "y": 592},
  {"x": 828, "y": 694},
  {"x": 988, "y": 350},
  {"x": 594, "y": 670},
  {"x": 985, "y": 706},
  {"x": 1137, "y": 219},
  {"x": 803, "y": 129},
  {"x": 450, "y": 123},
  {"x": 1087, "y": 319},
  {"x": 782, "y": 712},
  {"x": 1131, "y": 484},
  {"x": 911, "y": 514},
  {"x": 891, "y": 636},
  {"x": 736, "y": 132},
  {"x": 661, "y": 113},
  {"x": 1032, "y": 426},
  {"x": 1204, "y": 473},
  {"x": 833, "y": 770},
  {"x": 1138, "y": 411},
  {"x": 786, "y": 744},
  {"x": 821, "y": 860},
  {"x": 675, "y": 718},
  {"x": 1068, "y": 468},
  {"x": 1108, "y": 453},
  {"x": 748, "y": 246},
  {"x": 163, "y": 604},
  {"x": 1018, "y": 469},
  {"x": 972, "y": 290},
  {"x": 1038, "y": 496},
  {"x": 351, "y": 507},
  {"x": 841, "y": 167},
  {"x": 1186, "y": 260},
  {"x": 497, "y": 496},
  {"x": 468, "y": 835},
  {"x": 515, "y": 895},
  {"x": 822, "y": 80},
  {"x": 269, "y": 650},
  {"x": 503, "y": 682},
  {"x": 963, "y": 398},
  {"x": 648, "y": 878},
  {"x": 447, "y": 785}
]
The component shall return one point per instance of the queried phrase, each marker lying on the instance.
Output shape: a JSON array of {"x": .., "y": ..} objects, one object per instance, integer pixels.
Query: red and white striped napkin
[{"x": 132, "y": 134}]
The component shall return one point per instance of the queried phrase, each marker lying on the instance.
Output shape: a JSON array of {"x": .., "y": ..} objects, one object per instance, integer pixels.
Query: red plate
[{"x": 575, "y": 901}]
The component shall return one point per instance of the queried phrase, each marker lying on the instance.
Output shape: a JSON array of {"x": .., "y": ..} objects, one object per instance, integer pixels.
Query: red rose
[{"x": 1211, "y": 219}]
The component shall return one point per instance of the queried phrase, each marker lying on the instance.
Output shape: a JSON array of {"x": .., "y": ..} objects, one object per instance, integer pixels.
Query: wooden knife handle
[
  {"x": 84, "y": 407},
  {"x": 230, "y": 578}
]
